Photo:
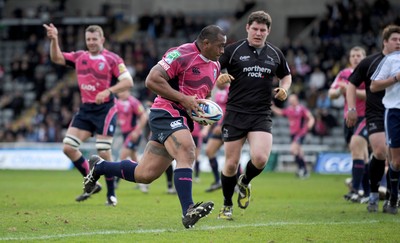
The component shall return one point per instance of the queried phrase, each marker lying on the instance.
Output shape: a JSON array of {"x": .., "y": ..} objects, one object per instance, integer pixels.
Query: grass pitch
[{"x": 40, "y": 206}]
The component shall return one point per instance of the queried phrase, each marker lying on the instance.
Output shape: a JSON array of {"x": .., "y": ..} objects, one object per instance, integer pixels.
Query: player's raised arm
[{"x": 55, "y": 51}]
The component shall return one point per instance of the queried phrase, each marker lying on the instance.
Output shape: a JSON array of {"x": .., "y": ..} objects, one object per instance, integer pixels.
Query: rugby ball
[{"x": 211, "y": 112}]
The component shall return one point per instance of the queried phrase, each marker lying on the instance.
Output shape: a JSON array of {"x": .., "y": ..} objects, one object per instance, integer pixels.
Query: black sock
[
  {"x": 228, "y": 188},
  {"x": 170, "y": 174},
  {"x": 394, "y": 181},
  {"x": 196, "y": 169},
  {"x": 214, "y": 168},
  {"x": 300, "y": 162},
  {"x": 388, "y": 186},
  {"x": 376, "y": 171},
  {"x": 250, "y": 173}
]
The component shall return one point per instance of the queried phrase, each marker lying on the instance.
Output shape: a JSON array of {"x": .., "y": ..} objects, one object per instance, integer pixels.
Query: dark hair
[
  {"x": 389, "y": 30},
  {"x": 210, "y": 32},
  {"x": 260, "y": 17}
]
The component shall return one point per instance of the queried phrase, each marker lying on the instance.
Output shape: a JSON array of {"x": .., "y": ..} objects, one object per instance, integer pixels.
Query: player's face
[
  {"x": 257, "y": 34},
  {"x": 393, "y": 43},
  {"x": 356, "y": 57},
  {"x": 94, "y": 42},
  {"x": 213, "y": 50}
]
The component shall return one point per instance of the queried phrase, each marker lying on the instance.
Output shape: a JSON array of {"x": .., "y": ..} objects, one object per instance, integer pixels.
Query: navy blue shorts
[
  {"x": 392, "y": 125},
  {"x": 163, "y": 124},
  {"x": 238, "y": 125},
  {"x": 298, "y": 139},
  {"x": 361, "y": 129},
  {"x": 97, "y": 119},
  {"x": 128, "y": 143}
]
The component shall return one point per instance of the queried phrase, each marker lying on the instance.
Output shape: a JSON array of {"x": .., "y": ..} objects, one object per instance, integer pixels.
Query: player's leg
[
  {"x": 103, "y": 146},
  {"x": 180, "y": 145},
  {"x": 228, "y": 174},
  {"x": 212, "y": 147},
  {"x": 71, "y": 143},
  {"x": 357, "y": 147}
]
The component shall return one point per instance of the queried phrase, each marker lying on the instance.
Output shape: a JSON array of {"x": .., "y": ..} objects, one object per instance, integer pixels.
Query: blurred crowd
[{"x": 56, "y": 95}]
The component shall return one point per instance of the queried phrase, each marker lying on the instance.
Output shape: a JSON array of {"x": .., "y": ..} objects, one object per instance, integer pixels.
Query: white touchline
[{"x": 200, "y": 228}]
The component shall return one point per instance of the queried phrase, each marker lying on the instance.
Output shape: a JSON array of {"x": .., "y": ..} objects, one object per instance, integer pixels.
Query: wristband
[
  {"x": 352, "y": 109},
  {"x": 110, "y": 91},
  {"x": 395, "y": 79}
]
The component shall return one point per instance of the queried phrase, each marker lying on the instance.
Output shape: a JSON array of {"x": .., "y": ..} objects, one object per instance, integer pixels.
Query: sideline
[{"x": 200, "y": 228}]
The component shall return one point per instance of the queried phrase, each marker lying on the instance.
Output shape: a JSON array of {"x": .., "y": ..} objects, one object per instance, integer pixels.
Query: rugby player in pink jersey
[
  {"x": 300, "y": 122},
  {"x": 185, "y": 74},
  {"x": 97, "y": 70},
  {"x": 356, "y": 136}
]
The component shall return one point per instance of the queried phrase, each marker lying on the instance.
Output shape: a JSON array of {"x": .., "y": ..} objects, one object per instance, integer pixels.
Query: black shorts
[
  {"x": 375, "y": 125},
  {"x": 128, "y": 143},
  {"x": 163, "y": 124},
  {"x": 100, "y": 119},
  {"x": 238, "y": 125},
  {"x": 349, "y": 131}
]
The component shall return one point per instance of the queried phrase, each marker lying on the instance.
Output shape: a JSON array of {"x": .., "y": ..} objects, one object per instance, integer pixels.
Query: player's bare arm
[
  {"x": 157, "y": 81},
  {"x": 55, "y": 51}
]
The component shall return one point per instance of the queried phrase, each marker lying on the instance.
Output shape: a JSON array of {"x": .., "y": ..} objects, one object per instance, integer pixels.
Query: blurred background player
[
  {"x": 374, "y": 113},
  {"x": 198, "y": 141},
  {"x": 301, "y": 121},
  {"x": 97, "y": 70},
  {"x": 132, "y": 119},
  {"x": 356, "y": 136}
]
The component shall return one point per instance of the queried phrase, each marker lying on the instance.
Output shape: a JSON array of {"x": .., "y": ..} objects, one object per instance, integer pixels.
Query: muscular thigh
[
  {"x": 154, "y": 162},
  {"x": 181, "y": 147}
]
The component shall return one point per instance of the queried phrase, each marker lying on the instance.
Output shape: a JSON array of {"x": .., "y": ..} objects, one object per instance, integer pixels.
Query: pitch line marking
[{"x": 201, "y": 228}]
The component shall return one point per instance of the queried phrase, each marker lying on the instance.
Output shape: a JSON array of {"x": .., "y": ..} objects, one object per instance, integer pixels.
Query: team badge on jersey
[
  {"x": 171, "y": 56},
  {"x": 101, "y": 66},
  {"x": 121, "y": 68},
  {"x": 215, "y": 74}
]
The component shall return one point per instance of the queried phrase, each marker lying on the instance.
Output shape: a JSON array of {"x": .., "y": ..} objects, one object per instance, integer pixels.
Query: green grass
[{"x": 39, "y": 205}]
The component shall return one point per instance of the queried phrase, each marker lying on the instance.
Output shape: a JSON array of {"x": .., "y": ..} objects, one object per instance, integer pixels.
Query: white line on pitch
[{"x": 201, "y": 228}]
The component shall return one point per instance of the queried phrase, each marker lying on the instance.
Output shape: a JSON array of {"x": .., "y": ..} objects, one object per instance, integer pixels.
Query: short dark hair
[
  {"x": 210, "y": 32},
  {"x": 260, "y": 17},
  {"x": 389, "y": 30}
]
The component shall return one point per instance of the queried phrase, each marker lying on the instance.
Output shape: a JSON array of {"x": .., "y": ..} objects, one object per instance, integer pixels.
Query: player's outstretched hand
[
  {"x": 52, "y": 31},
  {"x": 281, "y": 93}
]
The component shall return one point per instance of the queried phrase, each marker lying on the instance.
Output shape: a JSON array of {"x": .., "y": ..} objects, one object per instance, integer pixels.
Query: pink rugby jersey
[
  {"x": 297, "y": 117},
  {"x": 343, "y": 76},
  {"x": 94, "y": 73},
  {"x": 190, "y": 73},
  {"x": 221, "y": 97},
  {"x": 128, "y": 112}
]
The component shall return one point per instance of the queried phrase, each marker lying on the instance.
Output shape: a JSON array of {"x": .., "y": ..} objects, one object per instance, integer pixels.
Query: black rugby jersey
[
  {"x": 362, "y": 73},
  {"x": 251, "y": 91}
]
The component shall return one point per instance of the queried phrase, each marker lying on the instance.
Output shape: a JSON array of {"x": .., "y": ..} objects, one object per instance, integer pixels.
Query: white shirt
[{"x": 388, "y": 67}]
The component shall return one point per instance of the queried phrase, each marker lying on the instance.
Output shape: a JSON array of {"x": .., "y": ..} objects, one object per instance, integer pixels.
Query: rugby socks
[
  {"x": 376, "y": 171},
  {"x": 110, "y": 186},
  {"x": 183, "y": 186},
  {"x": 169, "y": 173},
  {"x": 82, "y": 165},
  {"x": 394, "y": 181},
  {"x": 365, "y": 181},
  {"x": 124, "y": 169},
  {"x": 196, "y": 168},
  {"x": 300, "y": 162},
  {"x": 214, "y": 168},
  {"x": 388, "y": 186},
  {"x": 357, "y": 173},
  {"x": 228, "y": 188},
  {"x": 250, "y": 173}
]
